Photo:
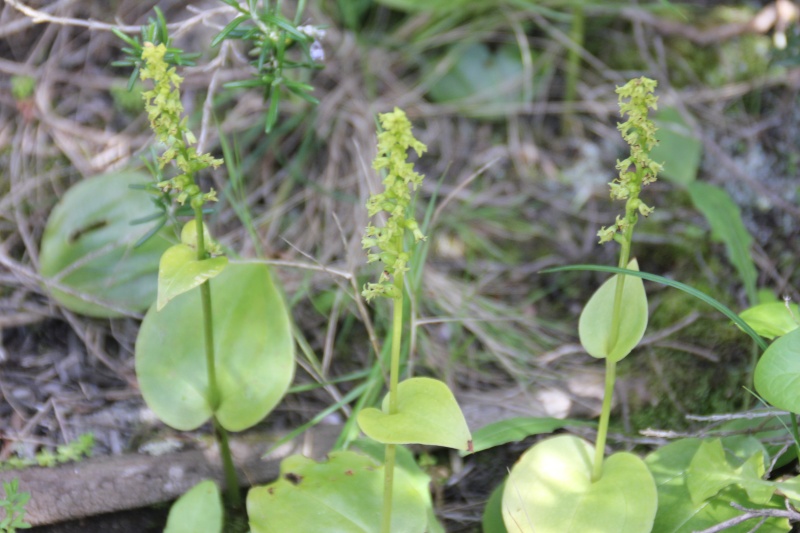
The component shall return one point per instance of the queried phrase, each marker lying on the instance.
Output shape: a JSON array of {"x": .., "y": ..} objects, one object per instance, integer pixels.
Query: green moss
[{"x": 685, "y": 383}]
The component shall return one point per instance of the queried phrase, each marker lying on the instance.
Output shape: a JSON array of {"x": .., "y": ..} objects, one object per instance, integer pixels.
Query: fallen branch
[{"x": 118, "y": 483}]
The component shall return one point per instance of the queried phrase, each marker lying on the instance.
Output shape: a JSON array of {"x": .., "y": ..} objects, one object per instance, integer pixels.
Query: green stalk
[
  {"x": 611, "y": 366},
  {"x": 388, "y": 485},
  {"x": 639, "y": 132},
  {"x": 231, "y": 479},
  {"x": 208, "y": 321},
  {"x": 796, "y": 434},
  {"x": 232, "y": 493},
  {"x": 394, "y": 377},
  {"x": 605, "y": 416},
  {"x": 573, "y": 67}
]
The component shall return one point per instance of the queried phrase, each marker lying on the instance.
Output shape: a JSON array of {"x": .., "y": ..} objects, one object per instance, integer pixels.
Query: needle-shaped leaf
[{"x": 232, "y": 25}]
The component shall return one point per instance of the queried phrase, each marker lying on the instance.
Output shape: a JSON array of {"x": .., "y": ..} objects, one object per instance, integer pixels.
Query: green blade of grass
[{"x": 674, "y": 284}]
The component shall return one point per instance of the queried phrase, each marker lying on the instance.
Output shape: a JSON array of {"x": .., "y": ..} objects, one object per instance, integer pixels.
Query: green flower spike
[
  {"x": 638, "y": 170},
  {"x": 164, "y": 108},
  {"x": 401, "y": 179}
]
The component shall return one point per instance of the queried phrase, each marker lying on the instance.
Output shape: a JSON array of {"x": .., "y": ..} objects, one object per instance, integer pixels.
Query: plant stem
[
  {"x": 611, "y": 366},
  {"x": 397, "y": 332},
  {"x": 394, "y": 372},
  {"x": 605, "y": 416},
  {"x": 576, "y": 35},
  {"x": 795, "y": 433},
  {"x": 231, "y": 479},
  {"x": 388, "y": 485},
  {"x": 232, "y": 493},
  {"x": 208, "y": 320}
]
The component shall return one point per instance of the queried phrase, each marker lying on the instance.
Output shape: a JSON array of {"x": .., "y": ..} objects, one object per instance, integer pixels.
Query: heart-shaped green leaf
[
  {"x": 427, "y": 413},
  {"x": 341, "y": 495},
  {"x": 595, "y": 324},
  {"x": 253, "y": 344},
  {"x": 777, "y": 376},
  {"x": 88, "y": 258},
  {"x": 200, "y": 509},
  {"x": 772, "y": 319},
  {"x": 550, "y": 490},
  {"x": 677, "y": 513},
  {"x": 179, "y": 271}
]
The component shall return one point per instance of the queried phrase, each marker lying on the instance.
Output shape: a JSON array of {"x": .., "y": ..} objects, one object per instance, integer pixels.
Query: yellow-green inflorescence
[
  {"x": 400, "y": 182},
  {"x": 164, "y": 108},
  {"x": 635, "y": 99}
]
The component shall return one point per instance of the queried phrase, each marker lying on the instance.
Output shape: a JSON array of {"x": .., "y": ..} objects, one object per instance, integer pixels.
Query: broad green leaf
[
  {"x": 179, "y": 271},
  {"x": 677, "y": 513},
  {"x": 200, "y": 509},
  {"x": 342, "y": 495},
  {"x": 484, "y": 81},
  {"x": 253, "y": 345},
  {"x": 772, "y": 319},
  {"x": 769, "y": 430},
  {"x": 516, "y": 429},
  {"x": 595, "y": 324},
  {"x": 710, "y": 472},
  {"x": 790, "y": 488},
  {"x": 777, "y": 376},
  {"x": 725, "y": 219},
  {"x": 550, "y": 490},
  {"x": 676, "y": 145},
  {"x": 88, "y": 247},
  {"x": 421, "y": 480},
  {"x": 427, "y": 414},
  {"x": 492, "y": 520}
]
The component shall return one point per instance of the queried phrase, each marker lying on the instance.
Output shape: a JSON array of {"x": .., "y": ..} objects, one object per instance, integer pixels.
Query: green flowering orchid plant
[
  {"x": 165, "y": 110},
  {"x": 418, "y": 410},
  {"x": 563, "y": 484},
  {"x": 636, "y": 98},
  {"x": 246, "y": 347}
]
